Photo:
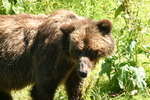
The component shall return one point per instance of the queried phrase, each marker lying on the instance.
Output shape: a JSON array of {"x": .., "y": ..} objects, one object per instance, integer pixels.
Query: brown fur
[
  {"x": 17, "y": 33},
  {"x": 48, "y": 51}
]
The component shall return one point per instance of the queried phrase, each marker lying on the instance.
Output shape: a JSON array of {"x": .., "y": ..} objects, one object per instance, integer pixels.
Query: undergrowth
[{"x": 123, "y": 76}]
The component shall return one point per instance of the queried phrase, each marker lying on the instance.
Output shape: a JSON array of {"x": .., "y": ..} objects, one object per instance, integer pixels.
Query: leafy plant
[
  {"x": 122, "y": 68},
  {"x": 131, "y": 29}
]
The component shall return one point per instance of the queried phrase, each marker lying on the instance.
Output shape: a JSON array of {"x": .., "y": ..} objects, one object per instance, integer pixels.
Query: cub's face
[{"x": 88, "y": 42}]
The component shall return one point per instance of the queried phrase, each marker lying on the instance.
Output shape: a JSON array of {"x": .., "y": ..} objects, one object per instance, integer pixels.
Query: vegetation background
[{"x": 123, "y": 76}]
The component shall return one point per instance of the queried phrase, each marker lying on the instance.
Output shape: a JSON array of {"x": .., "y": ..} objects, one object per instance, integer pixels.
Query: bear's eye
[
  {"x": 78, "y": 52},
  {"x": 93, "y": 54}
]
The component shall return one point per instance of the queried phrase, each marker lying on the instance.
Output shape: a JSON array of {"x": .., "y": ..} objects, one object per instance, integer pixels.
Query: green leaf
[
  {"x": 146, "y": 47},
  {"x": 120, "y": 9},
  {"x": 141, "y": 76},
  {"x": 127, "y": 16},
  {"x": 133, "y": 45},
  {"x": 122, "y": 75},
  {"x": 138, "y": 76},
  {"x": 17, "y": 9},
  {"x": 130, "y": 77},
  {"x": 7, "y": 6},
  {"x": 106, "y": 68}
]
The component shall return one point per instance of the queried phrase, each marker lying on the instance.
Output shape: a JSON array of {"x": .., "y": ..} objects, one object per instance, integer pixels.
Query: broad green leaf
[
  {"x": 130, "y": 77},
  {"x": 122, "y": 76},
  {"x": 146, "y": 47},
  {"x": 18, "y": 9},
  {"x": 138, "y": 75},
  {"x": 120, "y": 9},
  {"x": 7, "y": 5},
  {"x": 133, "y": 44},
  {"x": 106, "y": 68},
  {"x": 127, "y": 16},
  {"x": 141, "y": 71},
  {"x": 142, "y": 74}
]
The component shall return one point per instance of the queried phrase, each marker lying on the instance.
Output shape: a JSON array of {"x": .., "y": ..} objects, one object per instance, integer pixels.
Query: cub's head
[{"x": 88, "y": 41}]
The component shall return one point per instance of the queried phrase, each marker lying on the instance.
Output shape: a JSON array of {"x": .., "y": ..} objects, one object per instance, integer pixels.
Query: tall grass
[{"x": 102, "y": 87}]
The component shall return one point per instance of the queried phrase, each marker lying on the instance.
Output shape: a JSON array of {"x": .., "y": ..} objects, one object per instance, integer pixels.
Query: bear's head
[{"x": 88, "y": 42}]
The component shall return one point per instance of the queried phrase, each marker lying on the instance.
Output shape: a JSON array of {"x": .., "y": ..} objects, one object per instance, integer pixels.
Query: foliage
[
  {"x": 128, "y": 69},
  {"x": 123, "y": 68}
]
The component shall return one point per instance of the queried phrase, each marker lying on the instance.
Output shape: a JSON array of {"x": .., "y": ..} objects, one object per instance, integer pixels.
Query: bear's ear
[
  {"x": 104, "y": 26},
  {"x": 67, "y": 28}
]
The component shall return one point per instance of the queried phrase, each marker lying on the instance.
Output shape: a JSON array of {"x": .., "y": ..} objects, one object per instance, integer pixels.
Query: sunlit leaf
[
  {"x": 7, "y": 5},
  {"x": 106, "y": 68},
  {"x": 127, "y": 16},
  {"x": 18, "y": 9},
  {"x": 119, "y": 10},
  {"x": 146, "y": 47},
  {"x": 138, "y": 75},
  {"x": 122, "y": 75}
]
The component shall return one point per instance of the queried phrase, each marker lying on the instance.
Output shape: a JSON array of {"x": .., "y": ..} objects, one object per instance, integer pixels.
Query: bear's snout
[{"x": 84, "y": 67}]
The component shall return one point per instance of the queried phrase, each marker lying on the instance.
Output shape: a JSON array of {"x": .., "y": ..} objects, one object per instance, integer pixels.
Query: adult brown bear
[{"x": 47, "y": 51}]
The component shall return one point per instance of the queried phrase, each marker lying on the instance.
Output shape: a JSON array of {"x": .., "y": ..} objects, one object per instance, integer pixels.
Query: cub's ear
[
  {"x": 67, "y": 28},
  {"x": 104, "y": 26}
]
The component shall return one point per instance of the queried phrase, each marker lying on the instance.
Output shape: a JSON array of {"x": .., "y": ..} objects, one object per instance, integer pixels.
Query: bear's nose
[{"x": 82, "y": 74}]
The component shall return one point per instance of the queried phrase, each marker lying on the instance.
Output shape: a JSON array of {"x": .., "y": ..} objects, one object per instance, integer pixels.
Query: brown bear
[
  {"x": 47, "y": 51},
  {"x": 17, "y": 33}
]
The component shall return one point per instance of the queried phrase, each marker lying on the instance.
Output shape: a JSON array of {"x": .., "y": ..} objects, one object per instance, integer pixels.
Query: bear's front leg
[
  {"x": 41, "y": 92},
  {"x": 5, "y": 95},
  {"x": 46, "y": 84},
  {"x": 74, "y": 86}
]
